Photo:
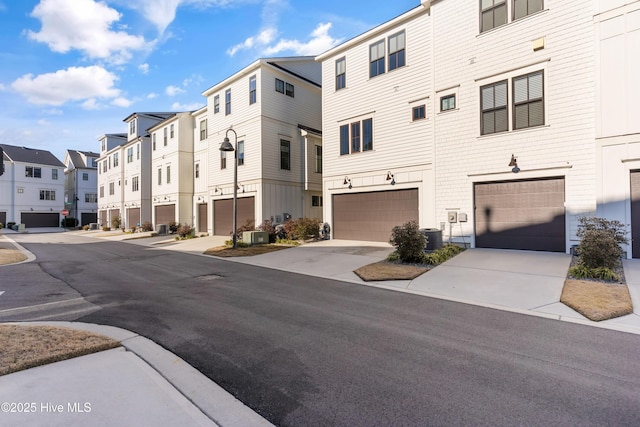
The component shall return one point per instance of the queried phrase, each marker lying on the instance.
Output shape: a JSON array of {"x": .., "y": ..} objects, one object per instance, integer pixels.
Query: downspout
[{"x": 303, "y": 135}]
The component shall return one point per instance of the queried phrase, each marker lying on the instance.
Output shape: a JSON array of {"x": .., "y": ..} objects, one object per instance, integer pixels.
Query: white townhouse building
[
  {"x": 273, "y": 106},
  {"x": 124, "y": 160},
  {"x": 617, "y": 37},
  {"x": 81, "y": 185},
  {"x": 200, "y": 170},
  {"x": 377, "y": 95},
  {"x": 31, "y": 188},
  {"x": 172, "y": 169}
]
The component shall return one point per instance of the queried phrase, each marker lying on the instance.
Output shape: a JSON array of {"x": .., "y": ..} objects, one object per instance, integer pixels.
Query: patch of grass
[
  {"x": 11, "y": 256},
  {"x": 25, "y": 347},
  {"x": 225, "y": 251},
  {"x": 384, "y": 270},
  {"x": 597, "y": 301}
]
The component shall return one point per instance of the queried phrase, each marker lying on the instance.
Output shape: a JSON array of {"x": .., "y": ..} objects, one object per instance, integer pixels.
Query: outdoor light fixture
[
  {"x": 226, "y": 146},
  {"x": 514, "y": 163},
  {"x": 347, "y": 180},
  {"x": 391, "y": 177}
]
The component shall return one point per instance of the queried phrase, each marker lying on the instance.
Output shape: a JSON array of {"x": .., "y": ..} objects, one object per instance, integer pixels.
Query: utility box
[
  {"x": 255, "y": 237},
  {"x": 434, "y": 238},
  {"x": 162, "y": 229},
  {"x": 93, "y": 226}
]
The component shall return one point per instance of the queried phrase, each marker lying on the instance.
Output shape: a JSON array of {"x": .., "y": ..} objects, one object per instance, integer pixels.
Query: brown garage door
[
  {"x": 88, "y": 218},
  {"x": 526, "y": 215},
  {"x": 113, "y": 213},
  {"x": 371, "y": 216},
  {"x": 103, "y": 218},
  {"x": 133, "y": 217},
  {"x": 635, "y": 214},
  {"x": 32, "y": 219},
  {"x": 223, "y": 214},
  {"x": 165, "y": 214},
  {"x": 202, "y": 218}
]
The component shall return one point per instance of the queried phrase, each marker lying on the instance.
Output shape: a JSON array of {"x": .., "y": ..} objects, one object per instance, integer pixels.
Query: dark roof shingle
[{"x": 31, "y": 155}]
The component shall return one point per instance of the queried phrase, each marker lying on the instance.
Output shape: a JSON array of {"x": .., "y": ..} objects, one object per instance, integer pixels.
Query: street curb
[{"x": 30, "y": 257}]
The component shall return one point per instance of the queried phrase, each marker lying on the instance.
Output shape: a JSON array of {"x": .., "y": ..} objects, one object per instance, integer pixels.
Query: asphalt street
[{"x": 307, "y": 351}]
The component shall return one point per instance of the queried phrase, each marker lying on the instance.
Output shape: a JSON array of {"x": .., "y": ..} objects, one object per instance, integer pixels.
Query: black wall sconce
[
  {"x": 391, "y": 177},
  {"x": 347, "y": 180},
  {"x": 514, "y": 163}
]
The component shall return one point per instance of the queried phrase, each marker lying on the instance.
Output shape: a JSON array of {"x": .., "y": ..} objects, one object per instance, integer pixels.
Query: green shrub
[
  {"x": 443, "y": 254},
  {"x": 287, "y": 242},
  {"x": 105, "y": 228},
  {"x": 185, "y": 231},
  {"x": 116, "y": 222},
  {"x": 85, "y": 227},
  {"x": 1, "y": 226},
  {"x": 133, "y": 228},
  {"x": 393, "y": 256},
  {"x": 408, "y": 241},
  {"x": 602, "y": 273},
  {"x": 239, "y": 244},
  {"x": 146, "y": 226},
  {"x": 600, "y": 242},
  {"x": 173, "y": 227},
  {"x": 302, "y": 228}
]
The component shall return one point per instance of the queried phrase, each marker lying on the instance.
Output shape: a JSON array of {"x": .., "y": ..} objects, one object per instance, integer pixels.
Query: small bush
[
  {"x": 239, "y": 244},
  {"x": 146, "y": 226},
  {"x": 1, "y": 226},
  {"x": 185, "y": 231},
  {"x": 393, "y": 256},
  {"x": 443, "y": 254},
  {"x": 105, "y": 228},
  {"x": 116, "y": 222},
  {"x": 85, "y": 227},
  {"x": 600, "y": 242},
  {"x": 173, "y": 227},
  {"x": 268, "y": 226},
  {"x": 302, "y": 228},
  {"x": 69, "y": 222},
  {"x": 408, "y": 241},
  {"x": 10, "y": 224},
  {"x": 287, "y": 242},
  {"x": 133, "y": 228},
  {"x": 249, "y": 225},
  {"x": 580, "y": 271}
]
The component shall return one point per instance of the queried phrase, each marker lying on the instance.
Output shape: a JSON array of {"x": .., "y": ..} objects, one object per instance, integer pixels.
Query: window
[
  {"x": 135, "y": 184},
  {"x": 367, "y": 135},
  {"x": 494, "y": 108},
  {"x": 166, "y": 139},
  {"x": 54, "y": 173},
  {"x": 419, "y": 112},
  {"x": 94, "y": 162},
  {"x": 344, "y": 139},
  {"x": 285, "y": 155},
  {"x": 318, "y": 158},
  {"x": 132, "y": 127},
  {"x": 493, "y": 13},
  {"x": 159, "y": 176},
  {"x": 32, "y": 172},
  {"x": 396, "y": 51},
  {"x": 289, "y": 90},
  {"x": 376, "y": 59},
  {"x": 216, "y": 104},
  {"x": 138, "y": 151},
  {"x": 355, "y": 137},
  {"x": 153, "y": 141},
  {"x": 103, "y": 145},
  {"x": 252, "y": 90},
  {"x": 85, "y": 176},
  {"x": 448, "y": 103},
  {"x": 91, "y": 197},
  {"x": 203, "y": 129},
  {"x": 223, "y": 160},
  {"x": 528, "y": 108},
  {"x": 279, "y": 86},
  {"x": 102, "y": 191},
  {"x": 197, "y": 170},
  {"x": 129, "y": 154},
  {"x": 522, "y": 8},
  {"x": 227, "y": 102},
  {"x": 109, "y": 162},
  {"x": 104, "y": 166},
  {"x": 240, "y": 153},
  {"x": 169, "y": 174},
  {"x": 116, "y": 159},
  {"x": 171, "y": 133},
  {"x": 316, "y": 201},
  {"x": 47, "y": 195},
  {"x": 341, "y": 73},
  {"x": 112, "y": 188}
]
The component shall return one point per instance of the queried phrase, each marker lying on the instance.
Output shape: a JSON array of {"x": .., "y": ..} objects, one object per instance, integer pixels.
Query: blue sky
[{"x": 72, "y": 70}]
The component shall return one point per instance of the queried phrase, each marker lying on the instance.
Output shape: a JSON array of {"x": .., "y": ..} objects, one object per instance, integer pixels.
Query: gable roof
[
  {"x": 30, "y": 155},
  {"x": 78, "y": 161}
]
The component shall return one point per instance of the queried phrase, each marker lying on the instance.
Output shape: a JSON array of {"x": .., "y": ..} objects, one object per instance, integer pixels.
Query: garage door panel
[
  {"x": 223, "y": 214},
  {"x": 34, "y": 219},
  {"x": 635, "y": 213},
  {"x": 202, "y": 218},
  {"x": 88, "y": 218},
  {"x": 165, "y": 214},
  {"x": 133, "y": 217},
  {"x": 521, "y": 215},
  {"x": 371, "y": 216}
]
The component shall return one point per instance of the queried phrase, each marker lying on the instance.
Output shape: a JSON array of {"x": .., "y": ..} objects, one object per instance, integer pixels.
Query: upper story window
[
  {"x": 104, "y": 165},
  {"x": 203, "y": 129},
  {"x": 116, "y": 159},
  {"x": 223, "y": 160},
  {"x": 419, "y": 112},
  {"x": 528, "y": 105},
  {"x": 318, "y": 158},
  {"x": 47, "y": 194},
  {"x": 153, "y": 141},
  {"x": 159, "y": 176},
  {"x": 138, "y": 151},
  {"x": 216, "y": 104},
  {"x": 94, "y": 162},
  {"x": 285, "y": 154},
  {"x": 493, "y": 14},
  {"x": 129, "y": 154},
  {"x": 112, "y": 188},
  {"x": 522, "y": 8},
  {"x": 227, "y": 102},
  {"x": 288, "y": 89},
  {"x": 85, "y": 176},
  {"x": 103, "y": 146},
  {"x": 493, "y": 100},
  {"x": 356, "y": 137},
  {"x": 376, "y": 59},
  {"x": 447, "y": 102},
  {"x": 279, "y": 86},
  {"x": 102, "y": 191},
  {"x": 341, "y": 73},
  {"x": 135, "y": 184},
  {"x": 197, "y": 170},
  {"x": 240, "y": 153},
  {"x": 252, "y": 90},
  {"x": 166, "y": 139},
  {"x": 132, "y": 127},
  {"x": 397, "y": 57},
  {"x": 92, "y": 197},
  {"x": 32, "y": 172},
  {"x": 169, "y": 174},
  {"x": 54, "y": 173},
  {"x": 171, "y": 133}
]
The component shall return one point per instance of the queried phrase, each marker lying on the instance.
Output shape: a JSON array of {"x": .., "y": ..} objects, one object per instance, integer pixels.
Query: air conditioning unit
[{"x": 255, "y": 237}]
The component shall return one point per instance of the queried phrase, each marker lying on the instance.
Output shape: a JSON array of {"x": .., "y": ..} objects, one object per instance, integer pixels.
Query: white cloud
[
  {"x": 320, "y": 42},
  {"x": 176, "y": 106},
  {"x": 121, "y": 102},
  {"x": 152, "y": 95},
  {"x": 72, "y": 84},
  {"x": 84, "y": 25},
  {"x": 2, "y": 87},
  {"x": 263, "y": 38},
  {"x": 173, "y": 90},
  {"x": 43, "y": 122},
  {"x": 90, "y": 104},
  {"x": 53, "y": 112},
  {"x": 144, "y": 68}
]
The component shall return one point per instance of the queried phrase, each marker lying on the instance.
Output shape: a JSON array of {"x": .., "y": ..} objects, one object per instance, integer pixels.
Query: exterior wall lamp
[
  {"x": 226, "y": 146},
  {"x": 391, "y": 177},
  {"x": 347, "y": 180},
  {"x": 514, "y": 163}
]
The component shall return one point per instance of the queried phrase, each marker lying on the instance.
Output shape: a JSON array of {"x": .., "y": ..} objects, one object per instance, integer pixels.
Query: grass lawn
[
  {"x": 25, "y": 346},
  {"x": 11, "y": 256},
  {"x": 226, "y": 251},
  {"x": 385, "y": 270},
  {"x": 597, "y": 300}
]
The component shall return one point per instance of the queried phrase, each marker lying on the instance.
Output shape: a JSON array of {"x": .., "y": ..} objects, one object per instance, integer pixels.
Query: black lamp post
[{"x": 226, "y": 146}]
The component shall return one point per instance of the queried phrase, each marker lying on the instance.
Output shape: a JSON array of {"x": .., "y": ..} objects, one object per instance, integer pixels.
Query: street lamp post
[{"x": 226, "y": 146}]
